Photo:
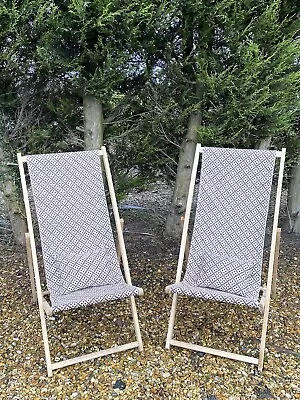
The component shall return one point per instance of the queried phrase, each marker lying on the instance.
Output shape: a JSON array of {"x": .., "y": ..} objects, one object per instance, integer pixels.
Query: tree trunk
[
  {"x": 93, "y": 123},
  {"x": 294, "y": 198},
  {"x": 183, "y": 177},
  {"x": 265, "y": 143},
  {"x": 9, "y": 191}
]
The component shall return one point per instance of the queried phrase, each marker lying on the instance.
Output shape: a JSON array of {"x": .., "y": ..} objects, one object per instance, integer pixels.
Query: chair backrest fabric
[
  {"x": 76, "y": 235},
  {"x": 229, "y": 229}
]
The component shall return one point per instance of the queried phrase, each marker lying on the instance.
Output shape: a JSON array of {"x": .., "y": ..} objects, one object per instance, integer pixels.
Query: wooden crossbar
[
  {"x": 215, "y": 352},
  {"x": 92, "y": 356}
]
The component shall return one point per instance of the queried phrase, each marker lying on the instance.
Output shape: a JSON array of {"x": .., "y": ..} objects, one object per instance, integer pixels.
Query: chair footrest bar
[
  {"x": 91, "y": 356},
  {"x": 215, "y": 352}
]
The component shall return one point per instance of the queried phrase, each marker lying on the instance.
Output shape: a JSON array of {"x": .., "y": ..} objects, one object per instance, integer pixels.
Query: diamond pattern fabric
[
  {"x": 227, "y": 242},
  {"x": 92, "y": 295},
  {"x": 79, "y": 252},
  {"x": 211, "y": 294},
  {"x": 81, "y": 270},
  {"x": 232, "y": 275}
]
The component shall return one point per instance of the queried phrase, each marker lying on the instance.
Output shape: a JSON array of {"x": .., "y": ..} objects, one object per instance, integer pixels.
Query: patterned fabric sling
[
  {"x": 79, "y": 253},
  {"x": 226, "y": 251}
]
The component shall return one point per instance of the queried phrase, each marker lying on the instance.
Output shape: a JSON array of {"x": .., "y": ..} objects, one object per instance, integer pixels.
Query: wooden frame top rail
[
  {"x": 278, "y": 154},
  {"x": 24, "y": 158}
]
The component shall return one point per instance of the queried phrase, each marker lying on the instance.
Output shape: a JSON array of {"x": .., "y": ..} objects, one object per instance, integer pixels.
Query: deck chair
[
  {"x": 226, "y": 248},
  {"x": 79, "y": 252}
]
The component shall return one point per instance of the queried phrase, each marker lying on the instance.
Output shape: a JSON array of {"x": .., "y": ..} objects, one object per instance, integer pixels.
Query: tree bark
[
  {"x": 93, "y": 123},
  {"x": 294, "y": 198},
  {"x": 265, "y": 143},
  {"x": 9, "y": 191},
  {"x": 183, "y": 177}
]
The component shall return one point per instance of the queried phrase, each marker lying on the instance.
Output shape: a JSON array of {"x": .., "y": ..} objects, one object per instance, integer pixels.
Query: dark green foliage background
[{"x": 151, "y": 64}]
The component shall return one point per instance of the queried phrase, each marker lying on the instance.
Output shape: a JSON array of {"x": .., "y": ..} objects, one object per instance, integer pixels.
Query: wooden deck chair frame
[
  {"x": 271, "y": 286},
  {"x": 44, "y": 306}
]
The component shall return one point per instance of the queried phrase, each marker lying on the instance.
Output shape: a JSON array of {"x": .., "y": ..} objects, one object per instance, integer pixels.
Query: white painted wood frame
[
  {"x": 44, "y": 307},
  {"x": 273, "y": 257}
]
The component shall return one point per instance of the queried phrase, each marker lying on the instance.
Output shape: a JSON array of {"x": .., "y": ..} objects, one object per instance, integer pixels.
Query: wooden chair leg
[
  {"x": 172, "y": 320},
  {"x": 276, "y": 257},
  {"x": 136, "y": 323},
  {"x": 118, "y": 244},
  {"x": 263, "y": 335},
  {"x": 187, "y": 245},
  {"x": 30, "y": 266}
]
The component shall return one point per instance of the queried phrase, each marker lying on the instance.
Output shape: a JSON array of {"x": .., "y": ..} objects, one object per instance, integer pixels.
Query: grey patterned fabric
[
  {"x": 226, "y": 249},
  {"x": 79, "y": 252},
  {"x": 79, "y": 270},
  {"x": 92, "y": 295}
]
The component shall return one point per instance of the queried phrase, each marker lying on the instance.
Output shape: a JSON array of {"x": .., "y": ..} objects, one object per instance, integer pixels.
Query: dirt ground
[{"x": 156, "y": 373}]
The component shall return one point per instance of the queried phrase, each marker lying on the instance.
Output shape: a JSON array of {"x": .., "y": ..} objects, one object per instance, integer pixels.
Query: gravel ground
[{"x": 156, "y": 373}]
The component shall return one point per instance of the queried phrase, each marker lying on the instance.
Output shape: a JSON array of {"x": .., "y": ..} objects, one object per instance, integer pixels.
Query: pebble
[
  {"x": 119, "y": 384},
  {"x": 265, "y": 394}
]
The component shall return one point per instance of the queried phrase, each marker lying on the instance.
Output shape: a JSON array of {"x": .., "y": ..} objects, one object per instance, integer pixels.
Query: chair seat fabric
[
  {"x": 92, "y": 295},
  {"x": 211, "y": 294}
]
